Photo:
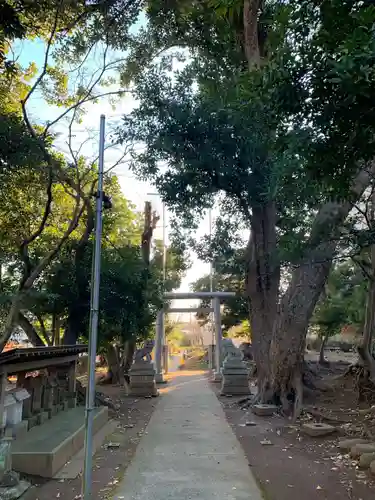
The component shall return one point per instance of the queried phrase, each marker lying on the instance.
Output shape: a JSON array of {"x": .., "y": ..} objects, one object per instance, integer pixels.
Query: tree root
[
  {"x": 363, "y": 384},
  {"x": 322, "y": 416}
]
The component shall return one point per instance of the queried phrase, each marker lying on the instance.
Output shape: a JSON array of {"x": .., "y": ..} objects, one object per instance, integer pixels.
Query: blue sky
[{"x": 87, "y": 134}]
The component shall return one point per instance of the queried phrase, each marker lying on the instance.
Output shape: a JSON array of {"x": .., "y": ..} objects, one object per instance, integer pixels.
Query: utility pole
[
  {"x": 212, "y": 327},
  {"x": 164, "y": 240},
  {"x": 164, "y": 248},
  {"x": 94, "y": 313}
]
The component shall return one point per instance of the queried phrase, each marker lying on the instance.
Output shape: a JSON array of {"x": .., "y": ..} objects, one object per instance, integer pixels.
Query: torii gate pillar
[{"x": 159, "y": 341}]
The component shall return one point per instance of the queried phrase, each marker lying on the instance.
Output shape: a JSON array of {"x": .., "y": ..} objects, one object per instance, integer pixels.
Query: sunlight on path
[{"x": 189, "y": 451}]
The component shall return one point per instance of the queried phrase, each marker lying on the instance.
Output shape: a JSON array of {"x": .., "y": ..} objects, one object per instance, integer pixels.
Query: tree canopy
[
  {"x": 270, "y": 118},
  {"x": 49, "y": 180}
]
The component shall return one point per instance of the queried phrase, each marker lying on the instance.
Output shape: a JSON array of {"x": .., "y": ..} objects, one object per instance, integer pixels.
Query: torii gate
[{"x": 159, "y": 341}]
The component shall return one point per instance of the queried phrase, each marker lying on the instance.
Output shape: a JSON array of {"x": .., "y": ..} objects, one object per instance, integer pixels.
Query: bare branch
[
  {"x": 46, "y": 56},
  {"x": 77, "y": 213}
]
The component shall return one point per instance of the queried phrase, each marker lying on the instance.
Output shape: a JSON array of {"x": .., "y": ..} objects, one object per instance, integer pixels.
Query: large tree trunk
[
  {"x": 115, "y": 374},
  {"x": 129, "y": 349},
  {"x": 262, "y": 286},
  {"x": 280, "y": 369},
  {"x": 80, "y": 308},
  {"x": 365, "y": 348}
]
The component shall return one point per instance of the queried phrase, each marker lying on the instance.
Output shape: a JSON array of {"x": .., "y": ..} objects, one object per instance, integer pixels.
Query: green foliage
[
  {"x": 228, "y": 277},
  {"x": 293, "y": 131},
  {"x": 175, "y": 336},
  {"x": 344, "y": 301},
  {"x": 242, "y": 331}
]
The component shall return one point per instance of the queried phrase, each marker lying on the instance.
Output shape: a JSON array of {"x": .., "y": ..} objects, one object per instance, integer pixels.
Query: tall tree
[
  {"x": 266, "y": 115},
  {"x": 68, "y": 80}
]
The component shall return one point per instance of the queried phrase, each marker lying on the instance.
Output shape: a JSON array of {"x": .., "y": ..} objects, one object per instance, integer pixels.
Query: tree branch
[
  {"x": 44, "y": 331},
  {"x": 250, "y": 24},
  {"x": 46, "y": 56},
  {"x": 30, "y": 331},
  {"x": 26, "y": 242}
]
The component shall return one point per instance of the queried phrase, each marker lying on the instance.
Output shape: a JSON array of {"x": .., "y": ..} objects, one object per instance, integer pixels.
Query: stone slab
[
  {"x": 230, "y": 379},
  {"x": 189, "y": 451},
  {"x": 43, "y": 417},
  {"x": 314, "y": 429},
  {"x": 372, "y": 468},
  {"x": 235, "y": 391},
  {"x": 235, "y": 381},
  {"x": 347, "y": 444},
  {"x": 366, "y": 459},
  {"x": 72, "y": 402},
  {"x": 14, "y": 492},
  {"x": 74, "y": 467},
  {"x": 232, "y": 370},
  {"x": 45, "y": 449},
  {"x": 142, "y": 380},
  {"x": 359, "y": 449},
  {"x": 263, "y": 410},
  {"x": 32, "y": 422},
  {"x": 20, "y": 430}
]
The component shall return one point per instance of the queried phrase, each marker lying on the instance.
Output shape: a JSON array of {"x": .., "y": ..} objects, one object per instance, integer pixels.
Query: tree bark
[
  {"x": 251, "y": 38},
  {"x": 129, "y": 349},
  {"x": 79, "y": 309},
  {"x": 262, "y": 286},
  {"x": 56, "y": 323},
  {"x": 115, "y": 374},
  {"x": 365, "y": 348},
  {"x": 283, "y": 327}
]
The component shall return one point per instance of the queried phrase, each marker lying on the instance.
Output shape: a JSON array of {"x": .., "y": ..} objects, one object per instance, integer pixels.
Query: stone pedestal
[
  {"x": 216, "y": 377},
  {"x": 235, "y": 377},
  {"x": 211, "y": 357},
  {"x": 142, "y": 379}
]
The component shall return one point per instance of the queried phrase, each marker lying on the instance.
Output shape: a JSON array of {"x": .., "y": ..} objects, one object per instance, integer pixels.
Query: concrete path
[{"x": 189, "y": 451}]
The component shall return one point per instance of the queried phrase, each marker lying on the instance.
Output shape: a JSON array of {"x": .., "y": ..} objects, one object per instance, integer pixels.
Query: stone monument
[
  {"x": 11, "y": 486},
  {"x": 142, "y": 372},
  {"x": 234, "y": 372}
]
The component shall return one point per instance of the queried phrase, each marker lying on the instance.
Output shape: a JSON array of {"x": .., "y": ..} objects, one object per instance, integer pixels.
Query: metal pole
[
  {"x": 219, "y": 336},
  {"x": 211, "y": 263},
  {"x": 164, "y": 249},
  {"x": 159, "y": 345},
  {"x": 94, "y": 312},
  {"x": 211, "y": 322}
]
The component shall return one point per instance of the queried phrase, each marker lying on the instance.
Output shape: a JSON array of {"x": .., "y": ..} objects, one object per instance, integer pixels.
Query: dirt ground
[
  {"x": 290, "y": 464},
  {"x": 109, "y": 464},
  {"x": 293, "y": 466}
]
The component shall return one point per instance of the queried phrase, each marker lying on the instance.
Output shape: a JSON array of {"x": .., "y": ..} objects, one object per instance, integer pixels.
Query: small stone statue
[
  {"x": 142, "y": 372},
  {"x": 144, "y": 353},
  {"x": 230, "y": 351},
  {"x": 234, "y": 371},
  {"x": 247, "y": 350}
]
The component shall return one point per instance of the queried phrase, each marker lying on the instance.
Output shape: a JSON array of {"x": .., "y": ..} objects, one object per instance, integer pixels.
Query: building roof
[{"x": 18, "y": 356}]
